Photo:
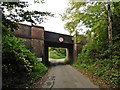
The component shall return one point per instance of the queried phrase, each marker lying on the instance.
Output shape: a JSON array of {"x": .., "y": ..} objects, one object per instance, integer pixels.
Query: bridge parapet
[
  {"x": 24, "y": 31},
  {"x": 38, "y": 41}
]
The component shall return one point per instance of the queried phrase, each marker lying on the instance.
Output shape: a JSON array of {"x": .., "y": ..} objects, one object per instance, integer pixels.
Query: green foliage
[
  {"x": 104, "y": 68},
  {"x": 88, "y": 49},
  {"x": 115, "y": 18},
  {"x": 19, "y": 65},
  {"x": 92, "y": 15},
  {"x": 79, "y": 38},
  {"x": 73, "y": 16},
  {"x": 66, "y": 60},
  {"x": 98, "y": 56},
  {"x": 13, "y": 12},
  {"x": 55, "y": 55},
  {"x": 103, "y": 61}
]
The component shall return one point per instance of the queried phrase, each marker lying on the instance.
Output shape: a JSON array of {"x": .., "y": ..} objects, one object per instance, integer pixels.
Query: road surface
[{"x": 65, "y": 76}]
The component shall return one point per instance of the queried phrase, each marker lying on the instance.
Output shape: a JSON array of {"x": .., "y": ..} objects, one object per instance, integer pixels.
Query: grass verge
[
  {"x": 55, "y": 55},
  {"x": 102, "y": 83}
]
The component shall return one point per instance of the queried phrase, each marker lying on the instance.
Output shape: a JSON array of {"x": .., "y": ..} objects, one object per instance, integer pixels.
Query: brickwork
[
  {"x": 24, "y": 31},
  {"x": 27, "y": 42},
  {"x": 38, "y": 41},
  {"x": 37, "y": 33},
  {"x": 33, "y": 37},
  {"x": 37, "y": 47}
]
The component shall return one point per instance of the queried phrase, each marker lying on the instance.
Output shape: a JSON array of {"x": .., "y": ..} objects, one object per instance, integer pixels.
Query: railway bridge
[{"x": 38, "y": 41}]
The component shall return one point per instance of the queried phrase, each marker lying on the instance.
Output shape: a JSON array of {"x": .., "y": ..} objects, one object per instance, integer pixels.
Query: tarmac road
[{"x": 65, "y": 76}]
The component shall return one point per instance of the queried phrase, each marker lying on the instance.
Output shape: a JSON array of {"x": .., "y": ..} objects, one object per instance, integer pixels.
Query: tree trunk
[
  {"x": 109, "y": 24},
  {"x": 75, "y": 46}
]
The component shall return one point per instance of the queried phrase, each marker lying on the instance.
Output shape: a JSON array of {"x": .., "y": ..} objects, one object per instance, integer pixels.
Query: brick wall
[{"x": 33, "y": 37}]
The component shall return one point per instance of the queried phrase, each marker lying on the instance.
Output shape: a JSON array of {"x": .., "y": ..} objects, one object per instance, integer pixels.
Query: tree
[
  {"x": 17, "y": 60},
  {"x": 16, "y": 13},
  {"x": 95, "y": 16},
  {"x": 92, "y": 15},
  {"x": 100, "y": 55},
  {"x": 109, "y": 23}
]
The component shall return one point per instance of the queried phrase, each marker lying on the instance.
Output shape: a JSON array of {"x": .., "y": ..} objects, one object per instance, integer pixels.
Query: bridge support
[
  {"x": 37, "y": 40},
  {"x": 45, "y": 60},
  {"x": 70, "y": 55}
]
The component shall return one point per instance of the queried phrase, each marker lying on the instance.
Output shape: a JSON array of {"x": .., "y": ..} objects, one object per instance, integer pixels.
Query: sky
[
  {"x": 54, "y": 24},
  {"x": 57, "y": 7}
]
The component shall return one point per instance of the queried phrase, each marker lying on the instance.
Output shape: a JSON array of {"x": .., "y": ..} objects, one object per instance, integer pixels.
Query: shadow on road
[{"x": 57, "y": 64}]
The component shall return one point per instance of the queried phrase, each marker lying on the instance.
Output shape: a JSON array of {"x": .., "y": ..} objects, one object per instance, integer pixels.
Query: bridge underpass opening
[
  {"x": 38, "y": 41},
  {"x": 57, "y": 55},
  {"x": 57, "y": 40},
  {"x": 69, "y": 51}
]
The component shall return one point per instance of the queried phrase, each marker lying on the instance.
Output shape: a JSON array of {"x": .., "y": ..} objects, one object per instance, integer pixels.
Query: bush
[
  {"x": 107, "y": 69},
  {"x": 58, "y": 51},
  {"x": 55, "y": 55},
  {"x": 101, "y": 61},
  {"x": 18, "y": 63}
]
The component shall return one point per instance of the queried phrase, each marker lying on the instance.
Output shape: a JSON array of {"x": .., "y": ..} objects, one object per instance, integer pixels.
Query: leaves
[
  {"x": 18, "y": 61},
  {"x": 57, "y": 53},
  {"x": 97, "y": 56},
  {"x": 13, "y": 12}
]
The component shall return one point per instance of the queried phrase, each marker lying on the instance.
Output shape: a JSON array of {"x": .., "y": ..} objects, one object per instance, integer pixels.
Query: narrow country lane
[{"x": 65, "y": 76}]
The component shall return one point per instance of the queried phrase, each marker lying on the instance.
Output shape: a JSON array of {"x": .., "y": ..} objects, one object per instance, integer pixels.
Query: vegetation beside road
[
  {"x": 20, "y": 67},
  {"x": 101, "y": 55},
  {"x": 57, "y": 53}
]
